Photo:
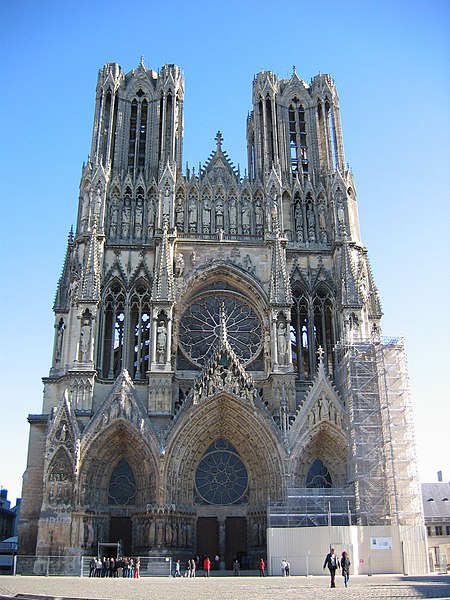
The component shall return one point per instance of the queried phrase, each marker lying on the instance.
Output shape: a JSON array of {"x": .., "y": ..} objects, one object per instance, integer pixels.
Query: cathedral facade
[{"x": 212, "y": 334}]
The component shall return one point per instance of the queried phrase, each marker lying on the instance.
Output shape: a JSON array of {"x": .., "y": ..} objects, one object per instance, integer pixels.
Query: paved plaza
[{"x": 225, "y": 588}]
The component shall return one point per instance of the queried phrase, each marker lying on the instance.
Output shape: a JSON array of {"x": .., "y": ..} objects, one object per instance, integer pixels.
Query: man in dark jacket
[{"x": 332, "y": 562}]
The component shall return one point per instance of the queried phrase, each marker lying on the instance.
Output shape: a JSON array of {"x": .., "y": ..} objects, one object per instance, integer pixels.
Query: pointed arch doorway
[
  {"x": 221, "y": 492},
  {"x": 121, "y": 494}
]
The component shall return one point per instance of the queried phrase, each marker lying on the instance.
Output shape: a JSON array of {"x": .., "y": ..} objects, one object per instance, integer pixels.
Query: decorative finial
[
  {"x": 141, "y": 62},
  {"x": 219, "y": 140},
  {"x": 320, "y": 353},
  {"x": 294, "y": 70}
]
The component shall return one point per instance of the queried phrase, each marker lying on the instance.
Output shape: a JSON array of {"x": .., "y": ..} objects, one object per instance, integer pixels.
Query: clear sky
[{"x": 391, "y": 63}]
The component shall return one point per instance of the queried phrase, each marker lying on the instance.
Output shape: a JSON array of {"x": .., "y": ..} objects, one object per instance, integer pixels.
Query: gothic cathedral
[{"x": 217, "y": 338}]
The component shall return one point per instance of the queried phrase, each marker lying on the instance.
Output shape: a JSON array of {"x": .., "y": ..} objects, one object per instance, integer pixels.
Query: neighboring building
[
  {"x": 436, "y": 508},
  {"x": 7, "y": 516},
  {"x": 217, "y": 339}
]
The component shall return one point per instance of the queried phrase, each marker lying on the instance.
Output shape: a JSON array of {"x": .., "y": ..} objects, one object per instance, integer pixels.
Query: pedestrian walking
[
  {"x": 332, "y": 562},
  {"x": 177, "y": 572},
  {"x": 262, "y": 568},
  {"x": 345, "y": 567}
]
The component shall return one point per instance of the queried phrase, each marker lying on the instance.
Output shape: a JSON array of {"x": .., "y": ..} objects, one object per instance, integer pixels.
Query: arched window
[
  {"x": 300, "y": 335},
  {"x": 297, "y": 138},
  {"x": 312, "y": 325},
  {"x": 140, "y": 330},
  {"x": 323, "y": 326},
  {"x": 113, "y": 331},
  {"x": 318, "y": 476}
]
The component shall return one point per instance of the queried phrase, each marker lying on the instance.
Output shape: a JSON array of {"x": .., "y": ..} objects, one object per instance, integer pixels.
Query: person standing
[
  {"x": 283, "y": 567},
  {"x": 92, "y": 566},
  {"x": 345, "y": 567},
  {"x": 206, "y": 566},
  {"x": 137, "y": 566},
  {"x": 287, "y": 568},
  {"x": 332, "y": 562},
  {"x": 236, "y": 567},
  {"x": 262, "y": 568}
]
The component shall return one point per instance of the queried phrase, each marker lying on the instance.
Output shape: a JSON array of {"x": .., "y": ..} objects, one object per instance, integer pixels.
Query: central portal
[
  {"x": 208, "y": 537},
  {"x": 236, "y": 541},
  {"x": 120, "y": 531}
]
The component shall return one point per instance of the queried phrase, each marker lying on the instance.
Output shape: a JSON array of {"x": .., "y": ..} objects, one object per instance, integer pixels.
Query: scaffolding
[
  {"x": 383, "y": 484},
  {"x": 372, "y": 377},
  {"x": 313, "y": 507}
]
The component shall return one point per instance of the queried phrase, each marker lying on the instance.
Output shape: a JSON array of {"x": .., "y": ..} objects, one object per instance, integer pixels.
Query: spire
[
  {"x": 219, "y": 140},
  {"x": 91, "y": 280},
  {"x": 349, "y": 291},
  {"x": 280, "y": 287},
  {"x": 163, "y": 282},
  {"x": 375, "y": 304},
  {"x": 62, "y": 291}
]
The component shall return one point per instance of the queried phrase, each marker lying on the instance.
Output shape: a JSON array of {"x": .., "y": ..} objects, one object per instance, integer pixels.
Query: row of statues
[{"x": 138, "y": 220}]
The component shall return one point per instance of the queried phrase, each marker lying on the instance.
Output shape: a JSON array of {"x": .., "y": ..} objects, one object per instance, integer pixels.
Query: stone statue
[
  {"x": 179, "y": 265},
  {"x": 85, "y": 339},
  {"x": 161, "y": 342},
  {"x": 246, "y": 216},
  {"x": 150, "y": 217},
  {"x": 166, "y": 202},
  {"x": 206, "y": 215},
  {"x": 219, "y": 214},
  {"x": 113, "y": 219},
  {"x": 233, "y": 216},
  {"x": 192, "y": 215},
  {"x": 126, "y": 217},
  {"x": 138, "y": 219},
  {"x": 282, "y": 344},
  {"x": 259, "y": 217},
  {"x": 180, "y": 213}
]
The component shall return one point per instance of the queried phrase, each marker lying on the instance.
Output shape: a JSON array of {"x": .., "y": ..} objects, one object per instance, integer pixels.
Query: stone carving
[
  {"x": 138, "y": 219},
  {"x": 150, "y": 217},
  {"x": 85, "y": 339},
  {"x": 192, "y": 211},
  {"x": 161, "y": 342},
  {"x": 206, "y": 214},
  {"x": 179, "y": 209},
  {"x": 126, "y": 218}
]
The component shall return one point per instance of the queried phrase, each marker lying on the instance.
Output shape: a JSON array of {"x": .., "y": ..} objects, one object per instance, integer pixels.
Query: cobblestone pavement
[{"x": 226, "y": 588}]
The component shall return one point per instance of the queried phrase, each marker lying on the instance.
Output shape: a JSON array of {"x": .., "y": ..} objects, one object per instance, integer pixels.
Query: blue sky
[{"x": 391, "y": 64}]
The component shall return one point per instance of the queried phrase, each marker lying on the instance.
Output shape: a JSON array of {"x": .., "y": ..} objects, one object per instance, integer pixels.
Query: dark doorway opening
[
  {"x": 207, "y": 538},
  {"x": 236, "y": 542},
  {"x": 120, "y": 531}
]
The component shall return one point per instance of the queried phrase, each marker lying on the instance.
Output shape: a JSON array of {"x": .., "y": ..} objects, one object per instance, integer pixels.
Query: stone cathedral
[{"x": 212, "y": 330}]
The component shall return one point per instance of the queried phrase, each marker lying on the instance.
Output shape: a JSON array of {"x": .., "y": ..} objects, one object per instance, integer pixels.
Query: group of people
[
  {"x": 193, "y": 565},
  {"x": 333, "y": 563},
  {"x": 285, "y": 568},
  {"x": 114, "y": 567}
]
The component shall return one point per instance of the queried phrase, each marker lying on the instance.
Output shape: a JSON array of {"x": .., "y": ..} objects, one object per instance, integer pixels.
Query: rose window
[
  {"x": 200, "y": 327},
  {"x": 221, "y": 476}
]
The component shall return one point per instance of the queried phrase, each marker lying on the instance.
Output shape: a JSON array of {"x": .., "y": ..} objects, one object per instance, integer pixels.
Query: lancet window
[
  {"x": 312, "y": 326},
  {"x": 126, "y": 327},
  {"x": 137, "y": 137},
  {"x": 297, "y": 138}
]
